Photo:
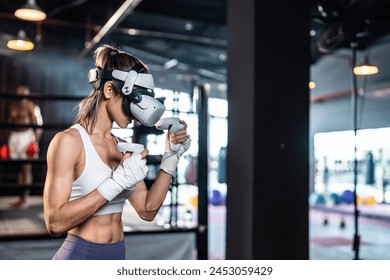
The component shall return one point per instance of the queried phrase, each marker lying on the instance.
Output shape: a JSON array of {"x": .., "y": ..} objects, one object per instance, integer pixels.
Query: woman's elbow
[
  {"x": 54, "y": 229},
  {"x": 147, "y": 218},
  {"x": 148, "y": 215}
]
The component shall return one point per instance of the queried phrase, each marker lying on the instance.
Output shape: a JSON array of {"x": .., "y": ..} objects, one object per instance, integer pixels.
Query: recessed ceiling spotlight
[
  {"x": 189, "y": 26},
  {"x": 322, "y": 11},
  {"x": 171, "y": 63},
  {"x": 132, "y": 31},
  {"x": 222, "y": 56}
]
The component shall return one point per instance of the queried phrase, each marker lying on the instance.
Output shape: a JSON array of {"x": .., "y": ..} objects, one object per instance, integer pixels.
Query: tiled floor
[
  {"x": 327, "y": 241},
  {"x": 331, "y": 241},
  {"x": 27, "y": 221}
]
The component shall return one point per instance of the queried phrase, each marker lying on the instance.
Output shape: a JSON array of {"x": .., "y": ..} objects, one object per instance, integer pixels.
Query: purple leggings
[{"x": 76, "y": 248}]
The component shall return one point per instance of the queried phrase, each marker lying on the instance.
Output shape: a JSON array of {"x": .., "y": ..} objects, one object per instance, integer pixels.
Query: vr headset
[{"x": 139, "y": 102}]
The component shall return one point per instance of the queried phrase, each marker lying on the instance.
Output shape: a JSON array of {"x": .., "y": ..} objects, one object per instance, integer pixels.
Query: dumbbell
[{"x": 171, "y": 124}]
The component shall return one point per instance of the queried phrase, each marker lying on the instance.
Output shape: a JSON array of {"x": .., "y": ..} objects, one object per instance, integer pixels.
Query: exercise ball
[
  {"x": 217, "y": 198},
  {"x": 316, "y": 198},
  {"x": 336, "y": 199},
  {"x": 194, "y": 201},
  {"x": 370, "y": 200},
  {"x": 347, "y": 197}
]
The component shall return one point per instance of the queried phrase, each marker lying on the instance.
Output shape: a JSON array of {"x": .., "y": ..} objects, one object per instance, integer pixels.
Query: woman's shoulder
[
  {"x": 66, "y": 146},
  {"x": 70, "y": 133},
  {"x": 69, "y": 137}
]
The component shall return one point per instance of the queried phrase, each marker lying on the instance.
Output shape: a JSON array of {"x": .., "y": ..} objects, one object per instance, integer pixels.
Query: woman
[{"x": 88, "y": 180}]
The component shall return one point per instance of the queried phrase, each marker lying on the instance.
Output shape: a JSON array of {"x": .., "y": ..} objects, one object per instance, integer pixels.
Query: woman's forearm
[
  {"x": 73, "y": 213},
  {"x": 158, "y": 191}
]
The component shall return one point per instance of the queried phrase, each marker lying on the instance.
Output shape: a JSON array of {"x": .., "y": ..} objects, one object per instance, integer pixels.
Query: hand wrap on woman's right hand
[{"x": 170, "y": 159}]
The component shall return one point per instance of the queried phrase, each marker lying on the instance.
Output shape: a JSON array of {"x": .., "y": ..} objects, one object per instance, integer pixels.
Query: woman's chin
[{"x": 124, "y": 124}]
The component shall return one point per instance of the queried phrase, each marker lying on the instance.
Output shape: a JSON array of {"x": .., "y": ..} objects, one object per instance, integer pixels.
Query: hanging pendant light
[
  {"x": 365, "y": 69},
  {"x": 31, "y": 12},
  {"x": 21, "y": 43}
]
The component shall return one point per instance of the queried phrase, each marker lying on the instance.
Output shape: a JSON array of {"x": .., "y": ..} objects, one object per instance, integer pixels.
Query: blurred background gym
[{"x": 290, "y": 154}]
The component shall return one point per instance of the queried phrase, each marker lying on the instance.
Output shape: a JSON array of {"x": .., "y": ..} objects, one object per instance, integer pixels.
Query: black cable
[
  {"x": 364, "y": 88},
  {"x": 66, "y": 7},
  {"x": 362, "y": 103},
  {"x": 356, "y": 238}
]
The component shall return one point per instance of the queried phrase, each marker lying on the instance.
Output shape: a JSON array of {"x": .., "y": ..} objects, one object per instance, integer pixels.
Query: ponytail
[{"x": 88, "y": 110}]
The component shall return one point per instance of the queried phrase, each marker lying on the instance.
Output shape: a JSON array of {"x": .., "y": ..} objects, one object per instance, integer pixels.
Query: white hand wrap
[
  {"x": 171, "y": 157},
  {"x": 131, "y": 171}
]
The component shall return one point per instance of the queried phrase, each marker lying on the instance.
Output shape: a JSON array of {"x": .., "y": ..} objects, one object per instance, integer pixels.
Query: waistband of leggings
[{"x": 78, "y": 239}]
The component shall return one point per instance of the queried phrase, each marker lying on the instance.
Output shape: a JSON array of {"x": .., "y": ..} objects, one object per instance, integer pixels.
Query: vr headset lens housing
[{"x": 148, "y": 111}]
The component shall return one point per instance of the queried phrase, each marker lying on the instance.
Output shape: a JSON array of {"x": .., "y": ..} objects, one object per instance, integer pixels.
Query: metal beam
[
  {"x": 133, "y": 32},
  {"x": 221, "y": 78},
  {"x": 173, "y": 36},
  {"x": 127, "y": 7}
]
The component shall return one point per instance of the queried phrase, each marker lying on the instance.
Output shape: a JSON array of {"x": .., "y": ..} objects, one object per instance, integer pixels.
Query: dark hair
[{"x": 108, "y": 58}]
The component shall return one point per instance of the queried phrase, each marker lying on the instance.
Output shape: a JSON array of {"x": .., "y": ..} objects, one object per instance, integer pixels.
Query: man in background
[{"x": 23, "y": 140}]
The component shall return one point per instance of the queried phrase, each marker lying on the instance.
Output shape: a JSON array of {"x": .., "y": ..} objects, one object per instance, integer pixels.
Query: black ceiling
[
  {"x": 190, "y": 34},
  {"x": 337, "y": 23}
]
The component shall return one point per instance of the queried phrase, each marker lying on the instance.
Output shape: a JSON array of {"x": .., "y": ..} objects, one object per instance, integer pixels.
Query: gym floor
[{"x": 331, "y": 232}]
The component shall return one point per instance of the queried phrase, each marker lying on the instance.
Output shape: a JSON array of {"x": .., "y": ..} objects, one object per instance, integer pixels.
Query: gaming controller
[
  {"x": 134, "y": 148},
  {"x": 173, "y": 124}
]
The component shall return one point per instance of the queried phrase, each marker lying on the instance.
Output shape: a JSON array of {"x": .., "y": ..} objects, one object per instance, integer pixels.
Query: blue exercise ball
[
  {"x": 316, "y": 199},
  {"x": 347, "y": 197},
  {"x": 217, "y": 198},
  {"x": 335, "y": 198}
]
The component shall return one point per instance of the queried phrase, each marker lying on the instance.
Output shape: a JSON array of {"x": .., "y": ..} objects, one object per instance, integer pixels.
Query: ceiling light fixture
[
  {"x": 31, "y": 12},
  {"x": 365, "y": 69},
  {"x": 171, "y": 63},
  {"x": 188, "y": 26},
  {"x": 21, "y": 43}
]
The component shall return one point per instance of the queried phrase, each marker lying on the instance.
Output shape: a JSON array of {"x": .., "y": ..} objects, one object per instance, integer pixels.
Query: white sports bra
[{"x": 94, "y": 173}]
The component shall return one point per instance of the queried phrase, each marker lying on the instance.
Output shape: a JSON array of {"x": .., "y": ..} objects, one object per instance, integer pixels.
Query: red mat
[{"x": 333, "y": 241}]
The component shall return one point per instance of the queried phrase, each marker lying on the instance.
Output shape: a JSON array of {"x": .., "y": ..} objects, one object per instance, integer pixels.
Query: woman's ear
[{"x": 108, "y": 89}]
